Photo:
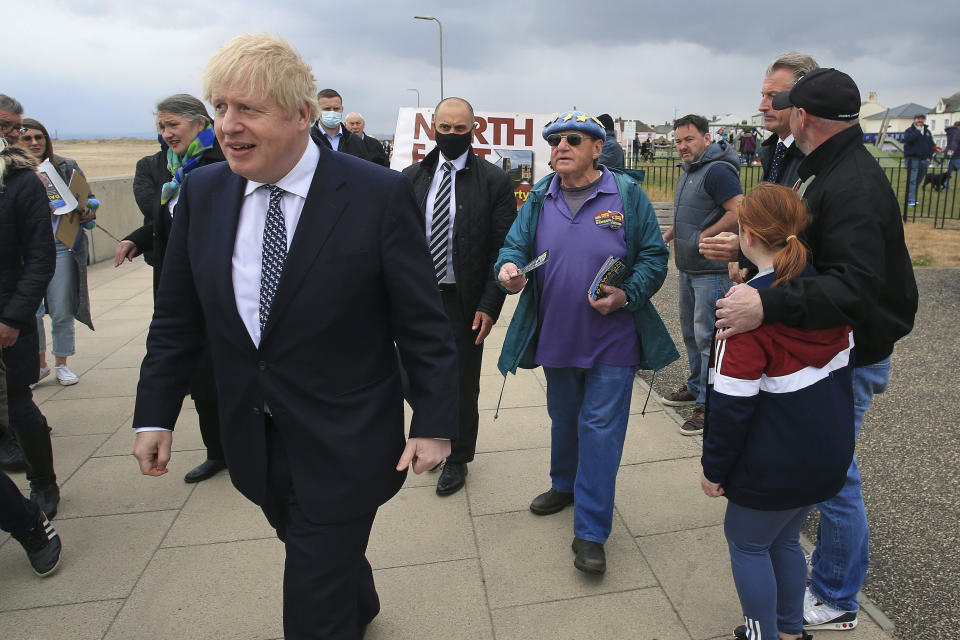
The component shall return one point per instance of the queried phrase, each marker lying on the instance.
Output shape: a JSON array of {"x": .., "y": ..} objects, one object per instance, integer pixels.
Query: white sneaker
[
  {"x": 44, "y": 372},
  {"x": 65, "y": 376},
  {"x": 819, "y": 615}
]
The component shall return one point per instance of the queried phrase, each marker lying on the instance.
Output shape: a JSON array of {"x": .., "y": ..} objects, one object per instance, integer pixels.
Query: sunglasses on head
[{"x": 573, "y": 139}]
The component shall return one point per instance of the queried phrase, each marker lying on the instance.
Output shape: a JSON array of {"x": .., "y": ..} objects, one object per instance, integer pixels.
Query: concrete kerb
[{"x": 866, "y": 604}]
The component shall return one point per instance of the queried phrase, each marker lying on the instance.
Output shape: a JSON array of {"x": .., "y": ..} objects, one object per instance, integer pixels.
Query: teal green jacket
[{"x": 647, "y": 256}]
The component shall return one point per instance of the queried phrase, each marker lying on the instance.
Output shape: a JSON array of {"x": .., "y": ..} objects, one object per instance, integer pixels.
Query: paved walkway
[{"x": 149, "y": 558}]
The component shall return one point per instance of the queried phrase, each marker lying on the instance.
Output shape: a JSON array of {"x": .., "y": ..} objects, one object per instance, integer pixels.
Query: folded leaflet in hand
[{"x": 613, "y": 272}]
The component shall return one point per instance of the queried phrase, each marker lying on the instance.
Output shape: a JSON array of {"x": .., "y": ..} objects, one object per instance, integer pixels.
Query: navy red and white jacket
[{"x": 778, "y": 432}]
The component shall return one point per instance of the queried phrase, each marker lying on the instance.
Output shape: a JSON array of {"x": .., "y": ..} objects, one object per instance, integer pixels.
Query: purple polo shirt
[{"x": 572, "y": 333}]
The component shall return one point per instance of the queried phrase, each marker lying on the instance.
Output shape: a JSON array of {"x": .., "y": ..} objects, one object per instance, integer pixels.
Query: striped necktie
[
  {"x": 777, "y": 161},
  {"x": 441, "y": 223},
  {"x": 274, "y": 252}
]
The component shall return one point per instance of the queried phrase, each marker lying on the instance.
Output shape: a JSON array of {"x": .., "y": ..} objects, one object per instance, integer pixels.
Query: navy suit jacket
[{"x": 358, "y": 278}]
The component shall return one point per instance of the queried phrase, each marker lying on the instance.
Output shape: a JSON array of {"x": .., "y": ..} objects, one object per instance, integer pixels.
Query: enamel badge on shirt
[{"x": 608, "y": 219}]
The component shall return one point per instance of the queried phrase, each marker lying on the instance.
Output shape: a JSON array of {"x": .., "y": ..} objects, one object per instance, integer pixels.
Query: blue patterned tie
[
  {"x": 441, "y": 223},
  {"x": 274, "y": 252},
  {"x": 777, "y": 161}
]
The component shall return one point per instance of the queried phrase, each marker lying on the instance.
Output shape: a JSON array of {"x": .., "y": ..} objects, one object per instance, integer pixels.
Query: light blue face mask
[{"x": 331, "y": 119}]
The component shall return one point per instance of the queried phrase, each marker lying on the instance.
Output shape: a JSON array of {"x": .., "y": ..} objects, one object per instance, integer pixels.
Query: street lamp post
[
  {"x": 441, "y": 48},
  {"x": 418, "y": 96}
]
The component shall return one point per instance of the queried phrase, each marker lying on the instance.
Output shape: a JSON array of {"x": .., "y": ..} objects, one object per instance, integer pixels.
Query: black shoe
[
  {"x": 452, "y": 478},
  {"x": 42, "y": 544},
  {"x": 550, "y": 502},
  {"x": 204, "y": 470},
  {"x": 590, "y": 556},
  {"x": 11, "y": 456},
  {"x": 47, "y": 498},
  {"x": 740, "y": 633}
]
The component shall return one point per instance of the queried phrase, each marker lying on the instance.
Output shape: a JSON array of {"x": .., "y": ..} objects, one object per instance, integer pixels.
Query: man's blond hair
[{"x": 263, "y": 66}]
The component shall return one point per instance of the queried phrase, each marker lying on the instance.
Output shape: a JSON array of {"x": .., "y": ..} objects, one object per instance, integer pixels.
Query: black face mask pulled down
[{"x": 453, "y": 145}]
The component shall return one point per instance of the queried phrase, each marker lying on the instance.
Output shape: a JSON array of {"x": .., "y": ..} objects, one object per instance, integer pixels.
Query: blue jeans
[
  {"x": 917, "y": 171},
  {"x": 842, "y": 554},
  {"x": 588, "y": 411},
  {"x": 697, "y": 298},
  {"x": 768, "y": 567},
  {"x": 952, "y": 167},
  {"x": 61, "y": 303}
]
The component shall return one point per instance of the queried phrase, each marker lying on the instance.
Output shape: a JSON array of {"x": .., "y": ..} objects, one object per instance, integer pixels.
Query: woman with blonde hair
[{"x": 778, "y": 434}]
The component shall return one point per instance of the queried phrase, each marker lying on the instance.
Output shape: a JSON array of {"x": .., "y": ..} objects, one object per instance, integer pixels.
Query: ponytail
[{"x": 775, "y": 215}]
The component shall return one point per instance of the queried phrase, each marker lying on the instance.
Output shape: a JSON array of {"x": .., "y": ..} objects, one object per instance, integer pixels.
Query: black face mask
[{"x": 452, "y": 145}]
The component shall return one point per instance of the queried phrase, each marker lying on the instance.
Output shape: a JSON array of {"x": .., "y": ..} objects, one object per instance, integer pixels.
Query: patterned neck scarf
[{"x": 180, "y": 166}]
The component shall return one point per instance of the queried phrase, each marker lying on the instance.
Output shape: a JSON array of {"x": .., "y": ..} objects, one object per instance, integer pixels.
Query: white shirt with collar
[
  {"x": 787, "y": 141},
  {"x": 248, "y": 248},
  {"x": 458, "y": 164}
]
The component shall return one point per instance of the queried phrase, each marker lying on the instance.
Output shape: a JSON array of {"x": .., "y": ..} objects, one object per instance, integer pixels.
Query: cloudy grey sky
[{"x": 101, "y": 65}]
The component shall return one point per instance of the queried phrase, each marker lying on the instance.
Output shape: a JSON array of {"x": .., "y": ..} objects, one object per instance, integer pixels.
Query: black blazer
[
  {"x": 375, "y": 152},
  {"x": 791, "y": 160},
  {"x": 486, "y": 209},
  {"x": 357, "y": 279},
  {"x": 349, "y": 143}
]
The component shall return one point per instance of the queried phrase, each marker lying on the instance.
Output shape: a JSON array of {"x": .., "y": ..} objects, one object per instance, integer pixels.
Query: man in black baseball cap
[
  {"x": 825, "y": 93},
  {"x": 864, "y": 279}
]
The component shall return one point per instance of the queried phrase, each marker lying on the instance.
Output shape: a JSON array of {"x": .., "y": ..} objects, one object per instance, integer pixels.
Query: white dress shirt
[
  {"x": 458, "y": 164},
  {"x": 248, "y": 247},
  {"x": 787, "y": 141}
]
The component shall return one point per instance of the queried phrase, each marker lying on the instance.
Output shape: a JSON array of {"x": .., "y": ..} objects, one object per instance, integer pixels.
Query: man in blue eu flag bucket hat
[{"x": 590, "y": 336}]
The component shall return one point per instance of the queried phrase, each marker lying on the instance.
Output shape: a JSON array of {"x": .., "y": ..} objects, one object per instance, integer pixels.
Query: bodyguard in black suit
[
  {"x": 301, "y": 268},
  {"x": 466, "y": 229}
]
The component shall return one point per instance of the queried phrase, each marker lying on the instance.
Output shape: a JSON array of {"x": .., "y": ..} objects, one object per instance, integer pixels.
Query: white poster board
[{"x": 62, "y": 201}]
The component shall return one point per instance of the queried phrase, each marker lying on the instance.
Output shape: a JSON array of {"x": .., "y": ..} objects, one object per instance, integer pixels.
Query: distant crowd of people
[{"x": 280, "y": 247}]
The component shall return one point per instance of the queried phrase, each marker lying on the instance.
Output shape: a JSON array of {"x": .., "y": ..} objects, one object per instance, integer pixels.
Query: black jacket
[
  {"x": 918, "y": 144},
  {"x": 349, "y": 142},
  {"x": 27, "y": 254},
  {"x": 150, "y": 176},
  {"x": 791, "y": 160},
  {"x": 486, "y": 208},
  {"x": 375, "y": 152},
  {"x": 856, "y": 242}
]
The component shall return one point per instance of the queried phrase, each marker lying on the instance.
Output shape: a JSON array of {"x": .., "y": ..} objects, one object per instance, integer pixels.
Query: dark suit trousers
[
  {"x": 469, "y": 359},
  {"x": 328, "y": 589}
]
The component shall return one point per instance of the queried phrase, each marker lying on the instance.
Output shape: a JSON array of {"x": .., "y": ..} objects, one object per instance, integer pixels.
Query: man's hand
[
  {"x": 483, "y": 322},
  {"x": 712, "y": 489},
  {"x": 511, "y": 278},
  {"x": 735, "y": 273},
  {"x": 739, "y": 311},
  {"x": 125, "y": 251},
  {"x": 8, "y": 335},
  {"x": 86, "y": 215},
  {"x": 424, "y": 453},
  {"x": 613, "y": 299},
  {"x": 152, "y": 451},
  {"x": 724, "y": 247}
]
